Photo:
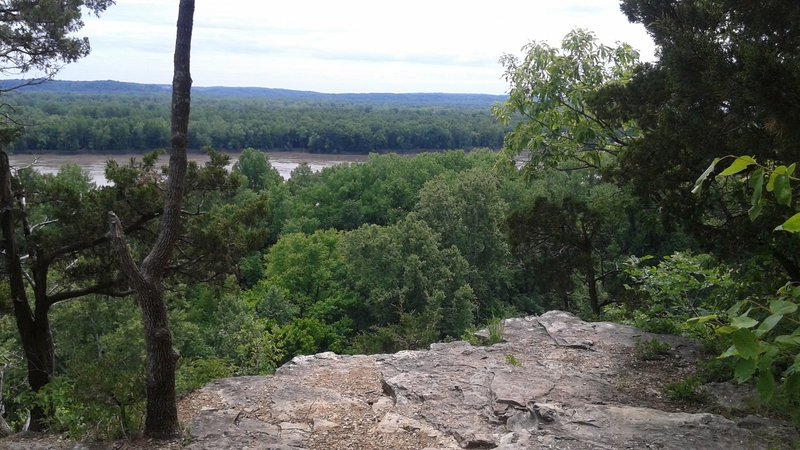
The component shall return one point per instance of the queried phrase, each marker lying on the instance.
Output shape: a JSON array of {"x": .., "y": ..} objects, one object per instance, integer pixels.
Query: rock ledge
[{"x": 555, "y": 382}]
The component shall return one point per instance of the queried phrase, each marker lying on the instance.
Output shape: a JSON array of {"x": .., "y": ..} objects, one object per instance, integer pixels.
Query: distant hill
[{"x": 383, "y": 99}]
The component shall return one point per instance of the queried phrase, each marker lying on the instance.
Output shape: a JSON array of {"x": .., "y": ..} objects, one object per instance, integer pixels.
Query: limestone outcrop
[{"x": 554, "y": 382}]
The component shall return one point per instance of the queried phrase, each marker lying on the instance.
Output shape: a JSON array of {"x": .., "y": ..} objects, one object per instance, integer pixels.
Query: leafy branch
[{"x": 765, "y": 337}]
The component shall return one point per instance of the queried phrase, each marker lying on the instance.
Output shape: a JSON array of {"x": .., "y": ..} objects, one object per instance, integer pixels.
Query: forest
[
  {"x": 661, "y": 195},
  {"x": 98, "y": 120}
]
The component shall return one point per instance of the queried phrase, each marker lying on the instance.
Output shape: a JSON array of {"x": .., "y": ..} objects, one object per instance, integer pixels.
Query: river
[{"x": 94, "y": 164}]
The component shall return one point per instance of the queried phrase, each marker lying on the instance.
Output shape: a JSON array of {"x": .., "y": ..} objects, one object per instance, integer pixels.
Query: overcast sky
[{"x": 341, "y": 45}]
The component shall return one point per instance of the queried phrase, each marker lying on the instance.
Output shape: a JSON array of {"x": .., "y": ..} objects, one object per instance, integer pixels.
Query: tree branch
[
  {"x": 583, "y": 113},
  {"x": 116, "y": 235},
  {"x": 24, "y": 83},
  {"x": 72, "y": 248},
  {"x": 43, "y": 224},
  {"x": 107, "y": 288}
]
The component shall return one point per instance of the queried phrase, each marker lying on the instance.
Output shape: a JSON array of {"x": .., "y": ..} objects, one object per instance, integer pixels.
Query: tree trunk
[
  {"x": 161, "y": 419},
  {"x": 39, "y": 354},
  {"x": 162, "y": 415},
  {"x": 33, "y": 326},
  {"x": 591, "y": 281},
  {"x": 589, "y": 271},
  {"x": 5, "y": 428}
]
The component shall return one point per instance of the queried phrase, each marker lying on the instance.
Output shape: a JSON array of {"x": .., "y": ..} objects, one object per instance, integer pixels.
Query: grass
[
  {"x": 651, "y": 350},
  {"x": 496, "y": 328},
  {"x": 686, "y": 391}
]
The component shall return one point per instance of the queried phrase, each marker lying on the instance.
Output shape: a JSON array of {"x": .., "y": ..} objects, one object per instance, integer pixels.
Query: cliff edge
[{"x": 554, "y": 382}]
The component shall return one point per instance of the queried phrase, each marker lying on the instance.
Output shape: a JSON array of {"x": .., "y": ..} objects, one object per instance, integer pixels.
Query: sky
[{"x": 343, "y": 45}]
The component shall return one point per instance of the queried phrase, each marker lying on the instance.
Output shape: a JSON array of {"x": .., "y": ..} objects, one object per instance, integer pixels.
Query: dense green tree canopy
[
  {"x": 469, "y": 211},
  {"x": 124, "y": 123},
  {"x": 255, "y": 166}
]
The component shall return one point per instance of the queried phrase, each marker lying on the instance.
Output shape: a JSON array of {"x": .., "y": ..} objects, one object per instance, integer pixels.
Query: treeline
[{"x": 122, "y": 123}]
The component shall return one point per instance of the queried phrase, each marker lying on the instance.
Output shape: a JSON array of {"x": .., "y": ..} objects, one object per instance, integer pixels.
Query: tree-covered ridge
[
  {"x": 86, "y": 123},
  {"x": 418, "y": 99}
]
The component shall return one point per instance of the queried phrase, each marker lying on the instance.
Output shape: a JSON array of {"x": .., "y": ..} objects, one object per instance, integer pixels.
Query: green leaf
[
  {"x": 783, "y": 190},
  {"x": 746, "y": 344},
  {"x": 765, "y": 385},
  {"x": 788, "y": 339},
  {"x": 708, "y": 318},
  {"x": 731, "y": 351},
  {"x": 698, "y": 185},
  {"x": 768, "y": 324},
  {"x": 743, "y": 322},
  {"x": 702, "y": 319},
  {"x": 755, "y": 211},
  {"x": 782, "y": 307},
  {"x": 792, "y": 386},
  {"x": 738, "y": 165},
  {"x": 757, "y": 183},
  {"x": 790, "y": 170},
  {"x": 733, "y": 310},
  {"x": 726, "y": 329},
  {"x": 780, "y": 170},
  {"x": 792, "y": 224},
  {"x": 744, "y": 370},
  {"x": 765, "y": 361}
]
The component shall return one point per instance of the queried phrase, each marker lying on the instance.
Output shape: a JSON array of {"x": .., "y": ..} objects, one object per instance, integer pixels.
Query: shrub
[
  {"x": 80, "y": 418},
  {"x": 680, "y": 286},
  {"x": 200, "y": 372},
  {"x": 686, "y": 391}
]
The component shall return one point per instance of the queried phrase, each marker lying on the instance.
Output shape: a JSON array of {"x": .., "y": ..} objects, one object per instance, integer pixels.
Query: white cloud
[{"x": 341, "y": 46}]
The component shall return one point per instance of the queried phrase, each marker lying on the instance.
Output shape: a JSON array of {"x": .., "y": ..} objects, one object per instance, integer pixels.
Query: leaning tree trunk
[{"x": 162, "y": 417}]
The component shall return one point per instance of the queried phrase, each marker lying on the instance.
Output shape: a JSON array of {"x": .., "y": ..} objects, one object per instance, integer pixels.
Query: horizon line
[{"x": 168, "y": 85}]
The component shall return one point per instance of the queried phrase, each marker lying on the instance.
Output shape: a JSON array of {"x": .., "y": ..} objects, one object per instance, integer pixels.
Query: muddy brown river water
[{"x": 94, "y": 164}]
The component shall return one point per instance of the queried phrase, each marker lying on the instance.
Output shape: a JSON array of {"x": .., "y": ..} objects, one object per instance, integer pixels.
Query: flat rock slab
[{"x": 555, "y": 382}]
